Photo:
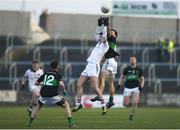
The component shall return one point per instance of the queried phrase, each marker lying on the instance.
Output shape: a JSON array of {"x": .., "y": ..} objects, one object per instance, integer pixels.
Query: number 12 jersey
[{"x": 50, "y": 83}]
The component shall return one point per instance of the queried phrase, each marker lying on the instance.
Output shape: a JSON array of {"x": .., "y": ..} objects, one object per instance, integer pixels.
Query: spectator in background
[
  {"x": 160, "y": 49},
  {"x": 164, "y": 49},
  {"x": 43, "y": 20},
  {"x": 170, "y": 47}
]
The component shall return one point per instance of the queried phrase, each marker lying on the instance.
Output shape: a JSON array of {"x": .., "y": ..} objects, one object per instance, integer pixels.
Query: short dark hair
[
  {"x": 35, "y": 61},
  {"x": 133, "y": 56},
  {"x": 115, "y": 32},
  {"x": 54, "y": 64}
]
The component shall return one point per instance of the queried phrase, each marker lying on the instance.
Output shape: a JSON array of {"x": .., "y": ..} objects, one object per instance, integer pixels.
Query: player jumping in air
[
  {"x": 91, "y": 72},
  {"x": 109, "y": 68}
]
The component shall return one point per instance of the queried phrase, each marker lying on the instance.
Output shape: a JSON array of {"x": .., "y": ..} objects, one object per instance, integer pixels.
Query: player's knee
[
  {"x": 37, "y": 95},
  {"x": 94, "y": 87},
  {"x": 66, "y": 104},
  {"x": 134, "y": 104},
  {"x": 125, "y": 104},
  {"x": 61, "y": 103},
  {"x": 40, "y": 103}
]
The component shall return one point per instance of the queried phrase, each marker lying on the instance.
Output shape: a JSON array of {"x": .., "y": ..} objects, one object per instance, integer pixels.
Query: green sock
[
  {"x": 69, "y": 121},
  {"x": 30, "y": 121},
  {"x": 111, "y": 99}
]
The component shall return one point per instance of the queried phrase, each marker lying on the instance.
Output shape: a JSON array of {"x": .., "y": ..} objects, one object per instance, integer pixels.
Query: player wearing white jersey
[
  {"x": 31, "y": 76},
  {"x": 92, "y": 69},
  {"x": 109, "y": 68}
]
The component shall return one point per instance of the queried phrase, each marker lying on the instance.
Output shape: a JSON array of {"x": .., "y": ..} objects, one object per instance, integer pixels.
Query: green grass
[{"x": 54, "y": 117}]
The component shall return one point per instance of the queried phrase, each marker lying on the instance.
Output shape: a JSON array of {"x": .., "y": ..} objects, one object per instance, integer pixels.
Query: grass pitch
[{"x": 116, "y": 118}]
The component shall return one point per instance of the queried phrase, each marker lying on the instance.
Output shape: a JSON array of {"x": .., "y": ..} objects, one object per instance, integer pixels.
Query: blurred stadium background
[{"x": 69, "y": 38}]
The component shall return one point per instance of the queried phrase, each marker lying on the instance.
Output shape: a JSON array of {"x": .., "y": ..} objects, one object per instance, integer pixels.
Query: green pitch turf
[{"x": 117, "y": 118}]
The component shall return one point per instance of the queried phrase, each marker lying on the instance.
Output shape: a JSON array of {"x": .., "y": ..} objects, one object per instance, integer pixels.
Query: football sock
[
  {"x": 30, "y": 121},
  {"x": 78, "y": 102},
  {"x": 30, "y": 107},
  {"x": 103, "y": 103},
  {"x": 111, "y": 99},
  {"x": 69, "y": 121}
]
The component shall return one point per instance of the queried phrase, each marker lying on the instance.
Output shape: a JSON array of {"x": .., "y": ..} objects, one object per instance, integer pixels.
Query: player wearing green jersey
[
  {"x": 134, "y": 83},
  {"x": 51, "y": 81}
]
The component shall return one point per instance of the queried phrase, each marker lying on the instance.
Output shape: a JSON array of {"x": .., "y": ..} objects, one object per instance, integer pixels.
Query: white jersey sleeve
[
  {"x": 26, "y": 73},
  {"x": 101, "y": 33}
]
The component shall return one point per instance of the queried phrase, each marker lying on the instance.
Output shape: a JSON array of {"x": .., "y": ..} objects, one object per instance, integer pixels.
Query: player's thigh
[
  {"x": 36, "y": 92},
  {"x": 39, "y": 104},
  {"x": 65, "y": 104},
  {"x": 135, "y": 97},
  {"x": 93, "y": 82},
  {"x": 126, "y": 96},
  {"x": 102, "y": 78},
  {"x": 34, "y": 97},
  {"x": 111, "y": 79},
  {"x": 81, "y": 80},
  {"x": 126, "y": 100},
  {"x": 104, "y": 74}
]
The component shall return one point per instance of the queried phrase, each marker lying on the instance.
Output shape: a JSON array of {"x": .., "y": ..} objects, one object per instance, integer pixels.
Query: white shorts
[
  {"x": 91, "y": 69},
  {"x": 34, "y": 89},
  {"x": 130, "y": 91},
  {"x": 110, "y": 65},
  {"x": 52, "y": 100}
]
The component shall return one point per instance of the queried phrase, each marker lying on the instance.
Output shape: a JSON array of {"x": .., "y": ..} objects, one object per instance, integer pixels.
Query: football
[{"x": 105, "y": 9}]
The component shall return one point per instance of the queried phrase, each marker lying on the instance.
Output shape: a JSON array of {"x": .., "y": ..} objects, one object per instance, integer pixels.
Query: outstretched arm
[{"x": 101, "y": 30}]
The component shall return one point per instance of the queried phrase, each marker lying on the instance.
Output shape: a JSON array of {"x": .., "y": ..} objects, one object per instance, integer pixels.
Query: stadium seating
[{"x": 76, "y": 58}]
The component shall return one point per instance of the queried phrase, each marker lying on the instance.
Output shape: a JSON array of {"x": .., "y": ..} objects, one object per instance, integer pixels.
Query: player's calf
[{"x": 30, "y": 120}]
